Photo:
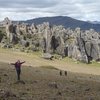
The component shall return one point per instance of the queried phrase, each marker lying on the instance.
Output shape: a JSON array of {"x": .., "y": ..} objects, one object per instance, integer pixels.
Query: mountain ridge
[{"x": 65, "y": 21}]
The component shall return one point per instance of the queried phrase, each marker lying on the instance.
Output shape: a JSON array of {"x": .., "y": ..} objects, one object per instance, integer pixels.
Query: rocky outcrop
[
  {"x": 11, "y": 33},
  {"x": 76, "y": 44},
  {"x": 92, "y": 44},
  {"x": 6, "y": 21}
]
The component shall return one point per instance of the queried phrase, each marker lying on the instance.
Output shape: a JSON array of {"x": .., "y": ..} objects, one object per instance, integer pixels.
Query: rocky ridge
[{"x": 77, "y": 44}]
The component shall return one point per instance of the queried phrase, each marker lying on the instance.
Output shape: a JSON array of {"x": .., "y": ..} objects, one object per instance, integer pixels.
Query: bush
[{"x": 1, "y": 36}]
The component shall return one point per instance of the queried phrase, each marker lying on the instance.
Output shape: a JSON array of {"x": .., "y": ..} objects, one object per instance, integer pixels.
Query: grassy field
[
  {"x": 45, "y": 83},
  {"x": 35, "y": 60},
  {"x": 41, "y": 79}
]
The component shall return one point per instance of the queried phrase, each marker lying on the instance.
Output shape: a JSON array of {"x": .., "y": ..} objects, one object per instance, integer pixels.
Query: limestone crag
[{"x": 76, "y": 44}]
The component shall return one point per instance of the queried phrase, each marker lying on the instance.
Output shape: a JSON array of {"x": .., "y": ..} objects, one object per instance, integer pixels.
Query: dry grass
[
  {"x": 35, "y": 60},
  {"x": 49, "y": 67},
  {"x": 45, "y": 83}
]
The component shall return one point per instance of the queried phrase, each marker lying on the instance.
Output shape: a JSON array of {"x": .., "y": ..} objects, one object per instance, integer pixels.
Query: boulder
[
  {"x": 82, "y": 49},
  {"x": 76, "y": 54},
  {"x": 6, "y": 21},
  {"x": 95, "y": 51},
  {"x": 24, "y": 43},
  {"x": 60, "y": 47},
  {"x": 43, "y": 44},
  {"x": 47, "y": 56}
]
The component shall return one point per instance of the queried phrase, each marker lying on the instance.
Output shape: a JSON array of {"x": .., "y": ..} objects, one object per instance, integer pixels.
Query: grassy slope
[
  {"x": 35, "y": 60},
  {"x": 47, "y": 84}
]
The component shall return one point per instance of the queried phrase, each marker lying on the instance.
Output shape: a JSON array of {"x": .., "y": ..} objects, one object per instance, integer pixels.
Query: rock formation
[{"x": 76, "y": 44}]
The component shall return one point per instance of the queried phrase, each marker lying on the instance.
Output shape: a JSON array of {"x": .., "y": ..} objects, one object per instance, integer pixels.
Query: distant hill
[
  {"x": 95, "y": 22},
  {"x": 66, "y": 22}
]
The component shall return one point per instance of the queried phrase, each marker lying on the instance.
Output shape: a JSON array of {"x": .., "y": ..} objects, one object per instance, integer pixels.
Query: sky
[{"x": 87, "y": 10}]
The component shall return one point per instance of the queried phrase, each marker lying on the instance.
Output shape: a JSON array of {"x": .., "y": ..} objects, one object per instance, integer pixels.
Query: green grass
[
  {"x": 2, "y": 33},
  {"x": 96, "y": 64},
  {"x": 37, "y": 55},
  {"x": 92, "y": 64}
]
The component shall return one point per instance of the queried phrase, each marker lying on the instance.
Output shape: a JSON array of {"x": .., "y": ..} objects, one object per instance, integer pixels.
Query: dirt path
[{"x": 35, "y": 60}]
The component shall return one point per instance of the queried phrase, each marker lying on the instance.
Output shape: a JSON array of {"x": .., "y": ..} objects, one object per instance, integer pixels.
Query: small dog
[
  {"x": 65, "y": 73},
  {"x": 60, "y": 73}
]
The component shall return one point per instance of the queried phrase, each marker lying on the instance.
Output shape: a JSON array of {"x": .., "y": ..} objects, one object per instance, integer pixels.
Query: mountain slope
[{"x": 66, "y": 22}]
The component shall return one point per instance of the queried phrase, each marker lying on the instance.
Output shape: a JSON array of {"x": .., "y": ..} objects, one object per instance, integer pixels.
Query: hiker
[{"x": 18, "y": 68}]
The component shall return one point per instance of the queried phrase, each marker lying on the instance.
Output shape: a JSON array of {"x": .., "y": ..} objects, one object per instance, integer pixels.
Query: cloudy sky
[{"x": 28, "y": 9}]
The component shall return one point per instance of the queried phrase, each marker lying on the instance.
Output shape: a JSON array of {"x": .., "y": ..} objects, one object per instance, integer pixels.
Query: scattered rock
[
  {"x": 5, "y": 75},
  {"x": 47, "y": 56},
  {"x": 88, "y": 89},
  {"x": 20, "y": 82},
  {"x": 6, "y": 94},
  {"x": 28, "y": 89},
  {"x": 35, "y": 81},
  {"x": 54, "y": 98},
  {"x": 53, "y": 85},
  {"x": 59, "y": 93},
  {"x": 73, "y": 91},
  {"x": 24, "y": 93},
  {"x": 90, "y": 77}
]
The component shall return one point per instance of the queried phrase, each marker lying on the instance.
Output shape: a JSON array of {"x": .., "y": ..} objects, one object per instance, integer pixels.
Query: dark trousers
[{"x": 18, "y": 70}]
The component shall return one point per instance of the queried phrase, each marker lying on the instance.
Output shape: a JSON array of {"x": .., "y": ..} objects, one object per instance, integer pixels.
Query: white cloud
[{"x": 26, "y": 9}]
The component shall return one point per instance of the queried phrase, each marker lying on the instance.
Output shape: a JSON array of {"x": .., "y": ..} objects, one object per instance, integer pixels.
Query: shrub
[{"x": 1, "y": 35}]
